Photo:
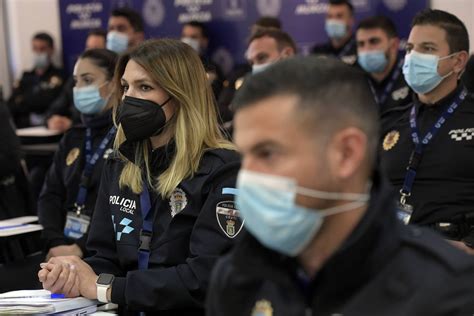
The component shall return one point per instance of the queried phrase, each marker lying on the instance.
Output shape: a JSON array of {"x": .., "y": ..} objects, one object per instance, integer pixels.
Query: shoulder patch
[
  {"x": 262, "y": 308},
  {"x": 72, "y": 156},
  {"x": 229, "y": 219}
]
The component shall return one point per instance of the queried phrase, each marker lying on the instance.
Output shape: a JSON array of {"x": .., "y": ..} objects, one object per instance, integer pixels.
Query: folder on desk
[
  {"x": 40, "y": 302},
  {"x": 19, "y": 225}
]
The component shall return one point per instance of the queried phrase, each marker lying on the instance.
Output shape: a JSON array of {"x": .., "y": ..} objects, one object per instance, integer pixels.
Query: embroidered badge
[
  {"x": 390, "y": 140},
  {"x": 229, "y": 218},
  {"x": 72, "y": 156},
  {"x": 178, "y": 201}
]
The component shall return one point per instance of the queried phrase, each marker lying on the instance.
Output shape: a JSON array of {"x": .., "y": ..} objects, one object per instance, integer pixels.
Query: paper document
[
  {"x": 40, "y": 302},
  {"x": 17, "y": 229},
  {"x": 37, "y": 131},
  {"x": 19, "y": 220}
]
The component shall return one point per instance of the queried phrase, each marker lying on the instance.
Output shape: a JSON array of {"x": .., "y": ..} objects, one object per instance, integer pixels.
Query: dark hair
[
  {"x": 133, "y": 17},
  {"x": 97, "y": 32},
  {"x": 456, "y": 32},
  {"x": 283, "y": 39},
  {"x": 42, "y": 36},
  {"x": 379, "y": 22},
  {"x": 268, "y": 21},
  {"x": 343, "y": 2},
  {"x": 331, "y": 95},
  {"x": 199, "y": 25},
  {"x": 102, "y": 58}
]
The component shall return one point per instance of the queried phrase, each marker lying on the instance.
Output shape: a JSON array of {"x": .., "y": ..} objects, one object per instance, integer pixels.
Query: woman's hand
[
  {"x": 70, "y": 276},
  {"x": 64, "y": 250}
]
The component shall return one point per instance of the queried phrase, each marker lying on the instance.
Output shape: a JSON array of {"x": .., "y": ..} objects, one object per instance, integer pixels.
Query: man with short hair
[
  {"x": 265, "y": 47},
  {"x": 35, "y": 91},
  {"x": 338, "y": 26},
  {"x": 196, "y": 35},
  {"x": 265, "y": 22},
  {"x": 323, "y": 234},
  {"x": 96, "y": 39},
  {"x": 125, "y": 30},
  {"x": 378, "y": 55},
  {"x": 428, "y": 153}
]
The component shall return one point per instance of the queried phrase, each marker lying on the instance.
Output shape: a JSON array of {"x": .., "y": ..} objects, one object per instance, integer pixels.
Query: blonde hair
[{"x": 178, "y": 70}]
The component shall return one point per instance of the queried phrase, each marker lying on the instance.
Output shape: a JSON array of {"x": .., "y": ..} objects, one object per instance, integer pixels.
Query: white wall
[
  {"x": 463, "y": 9},
  {"x": 5, "y": 80},
  {"x": 24, "y": 19}
]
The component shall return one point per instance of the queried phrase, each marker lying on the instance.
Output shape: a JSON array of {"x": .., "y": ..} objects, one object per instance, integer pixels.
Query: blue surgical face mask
[
  {"x": 336, "y": 29},
  {"x": 259, "y": 68},
  {"x": 117, "y": 42},
  {"x": 421, "y": 71},
  {"x": 41, "y": 60},
  {"x": 373, "y": 61},
  {"x": 267, "y": 204},
  {"x": 87, "y": 100}
]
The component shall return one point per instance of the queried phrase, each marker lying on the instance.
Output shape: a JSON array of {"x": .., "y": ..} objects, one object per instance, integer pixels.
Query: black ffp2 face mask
[{"x": 141, "y": 119}]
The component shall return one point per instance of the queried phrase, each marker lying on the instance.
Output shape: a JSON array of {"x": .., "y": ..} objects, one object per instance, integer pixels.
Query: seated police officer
[
  {"x": 33, "y": 94},
  {"x": 62, "y": 113},
  {"x": 378, "y": 54},
  {"x": 324, "y": 238},
  {"x": 338, "y": 26},
  {"x": 165, "y": 209},
  {"x": 428, "y": 154},
  {"x": 196, "y": 35},
  {"x": 70, "y": 190},
  {"x": 265, "y": 47},
  {"x": 125, "y": 30}
]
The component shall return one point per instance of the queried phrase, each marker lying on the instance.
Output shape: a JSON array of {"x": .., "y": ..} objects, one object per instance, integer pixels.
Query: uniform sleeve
[
  {"x": 184, "y": 285},
  {"x": 218, "y": 279},
  {"x": 9, "y": 146},
  {"x": 51, "y": 210},
  {"x": 101, "y": 239}
]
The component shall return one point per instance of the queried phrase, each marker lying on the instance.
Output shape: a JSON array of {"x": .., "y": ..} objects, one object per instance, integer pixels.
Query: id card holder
[
  {"x": 404, "y": 212},
  {"x": 76, "y": 226}
]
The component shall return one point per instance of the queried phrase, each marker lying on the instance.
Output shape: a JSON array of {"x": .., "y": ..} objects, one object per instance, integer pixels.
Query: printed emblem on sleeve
[
  {"x": 390, "y": 140},
  {"x": 178, "y": 201},
  {"x": 229, "y": 218},
  {"x": 462, "y": 134},
  {"x": 262, "y": 308},
  {"x": 72, "y": 156},
  {"x": 126, "y": 205},
  {"x": 400, "y": 94}
]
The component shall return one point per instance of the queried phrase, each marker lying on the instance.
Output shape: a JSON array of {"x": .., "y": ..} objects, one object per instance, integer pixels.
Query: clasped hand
[{"x": 68, "y": 275}]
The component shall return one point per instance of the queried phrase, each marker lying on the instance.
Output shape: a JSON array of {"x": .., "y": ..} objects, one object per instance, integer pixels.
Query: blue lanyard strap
[
  {"x": 147, "y": 229},
  {"x": 420, "y": 144},
  {"x": 389, "y": 86},
  {"x": 91, "y": 161}
]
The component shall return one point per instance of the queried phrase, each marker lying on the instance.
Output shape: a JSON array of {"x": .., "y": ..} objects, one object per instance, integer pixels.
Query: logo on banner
[
  {"x": 229, "y": 218},
  {"x": 361, "y": 5},
  {"x": 269, "y": 7},
  {"x": 311, "y": 7},
  {"x": 194, "y": 10},
  {"x": 223, "y": 58},
  {"x": 83, "y": 13},
  {"x": 153, "y": 12},
  {"x": 234, "y": 8},
  {"x": 395, "y": 5}
]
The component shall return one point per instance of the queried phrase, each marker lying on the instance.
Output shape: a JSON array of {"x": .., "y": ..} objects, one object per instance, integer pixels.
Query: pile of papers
[
  {"x": 40, "y": 302},
  {"x": 19, "y": 225}
]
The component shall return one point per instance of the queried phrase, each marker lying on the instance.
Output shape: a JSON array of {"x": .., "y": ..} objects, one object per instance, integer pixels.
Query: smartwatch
[{"x": 104, "y": 282}]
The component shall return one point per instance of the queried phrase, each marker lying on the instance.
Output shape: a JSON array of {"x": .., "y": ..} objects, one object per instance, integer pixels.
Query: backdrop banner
[{"x": 228, "y": 21}]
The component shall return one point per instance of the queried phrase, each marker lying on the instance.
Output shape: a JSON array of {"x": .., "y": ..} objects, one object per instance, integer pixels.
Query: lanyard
[
  {"x": 147, "y": 229},
  {"x": 416, "y": 155},
  {"x": 346, "y": 49},
  {"x": 91, "y": 161},
  {"x": 389, "y": 86}
]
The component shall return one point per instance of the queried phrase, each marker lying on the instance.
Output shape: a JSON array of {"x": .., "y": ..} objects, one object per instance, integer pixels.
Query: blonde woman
[{"x": 165, "y": 209}]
